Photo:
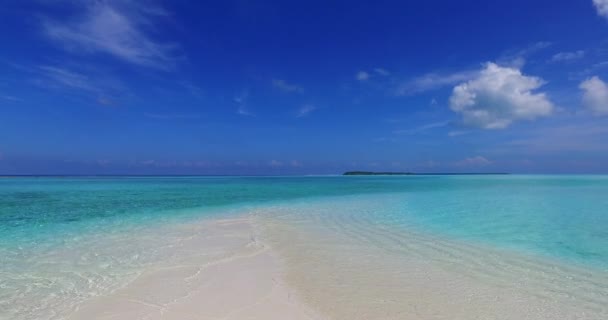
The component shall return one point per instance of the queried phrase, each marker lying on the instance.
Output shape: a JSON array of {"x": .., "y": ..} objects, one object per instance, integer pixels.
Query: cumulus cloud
[
  {"x": 602, "y": 7},
  {"x": 306, "y": 110},
  {"x": 595, "y": 95},
  {"x": 498, "y": 96},
  {"x": 287, "y": 87},
  {"x": 567, "y": 56},
  {"x": 114, "y": 28}
]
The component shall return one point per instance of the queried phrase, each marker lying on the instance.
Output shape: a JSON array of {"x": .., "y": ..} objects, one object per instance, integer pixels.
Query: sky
[{"x": 315, "y": 87}]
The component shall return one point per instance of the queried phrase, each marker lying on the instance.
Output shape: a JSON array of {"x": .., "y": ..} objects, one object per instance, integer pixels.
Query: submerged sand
[
  {"x": 266, "y": 265},
  {"x": 237, "y": 278},
  {"x": 348, "y": 267}
]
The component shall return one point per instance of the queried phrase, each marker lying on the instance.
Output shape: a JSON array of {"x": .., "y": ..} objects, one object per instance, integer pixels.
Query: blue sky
[{"x": 263, "y": 87}]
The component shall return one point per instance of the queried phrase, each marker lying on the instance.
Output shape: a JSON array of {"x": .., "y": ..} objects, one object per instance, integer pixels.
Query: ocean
[{"x": 64, "y": 240}]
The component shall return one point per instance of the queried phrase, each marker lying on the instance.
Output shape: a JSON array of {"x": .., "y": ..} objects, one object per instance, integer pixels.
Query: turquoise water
[
  {"x": 562, "y": 216},
  {"x": 42, "y": 210},
  {"x": 67, "y": 239}
]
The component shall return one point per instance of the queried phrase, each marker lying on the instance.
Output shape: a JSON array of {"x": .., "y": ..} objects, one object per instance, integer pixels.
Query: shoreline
[{"x": 322, "y": 259}]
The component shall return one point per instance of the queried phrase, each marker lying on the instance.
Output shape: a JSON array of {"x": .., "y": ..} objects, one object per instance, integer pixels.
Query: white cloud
[
  {"x": 171, "y": 116},
  {"x": 602, "y": 7},
  {"x": 115, "y": 30},
  {"x": 456, "y": 133},
  {"x": 433, "y": 81},
  {"x": 423, "y": 128},
  {"x": 382, "y": 72},
  {"x": 10, "y": 98},
  {"x": 104, "y": 88},
  {"x": 477, "y": 161},
  {"x": 362, "y": 76},
  {"x": 284, "y": 86},
  {"x": 68, "y": 78},
  {"x": 568, "y": 56},
  {"x": 595, "y": 95},
  {"x": 516, "y": 58},
  {"x": 498, "y": 96},
  {"x": 306, "y": 110},
  {"x": 241, "y": 101},
  {"x": 242, "y": 110}
]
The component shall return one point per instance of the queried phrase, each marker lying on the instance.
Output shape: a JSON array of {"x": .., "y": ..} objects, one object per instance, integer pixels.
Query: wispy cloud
[
  {"x": 10, "y": 98},
  {"x": 593, "y": 69},
  {"x": 456, "y": 133},
  {"x": 382, "y": 72},
  {"x": 105, "y": 101},
  {"x": 567, "y": 56},
  {"x": 477, "y": 161},
  {"x": 286, "y": 87},
  {"x": 305, "y": 110},
  {"x": 436, "y": 80},
  {"x": 68, "y": 78},
  {"x": 93, "y": 82},
  {"x": 422, "y": 129},
  {"x": 433, "y": 81},
  {"x": 362, "y": 76},
  {"x": 241, "y": 101},
  {"x": 119, "y": 29},
  {"x": 193, "y": 89},
  {"x": 516, "y": 58},
  {"x": 171, "y": 116}
]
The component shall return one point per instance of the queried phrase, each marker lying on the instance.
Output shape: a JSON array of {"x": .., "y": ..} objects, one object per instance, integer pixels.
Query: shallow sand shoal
[{"x": 237, "y": 277}]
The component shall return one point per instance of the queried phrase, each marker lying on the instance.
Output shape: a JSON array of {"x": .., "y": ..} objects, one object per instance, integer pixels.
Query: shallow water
[
  {"x": 350, "y": 264},
  {"x": 64, "y": 240}
]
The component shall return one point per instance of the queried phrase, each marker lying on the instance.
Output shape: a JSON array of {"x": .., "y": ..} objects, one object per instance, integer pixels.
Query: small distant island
[{"x": 371, "y": 173}]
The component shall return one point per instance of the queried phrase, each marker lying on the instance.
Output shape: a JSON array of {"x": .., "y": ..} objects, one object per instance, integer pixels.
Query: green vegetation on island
[{"x": 371, "y": 173}]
